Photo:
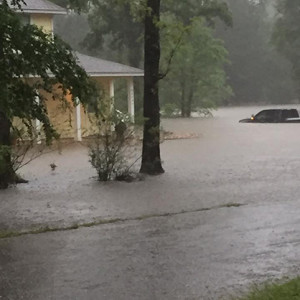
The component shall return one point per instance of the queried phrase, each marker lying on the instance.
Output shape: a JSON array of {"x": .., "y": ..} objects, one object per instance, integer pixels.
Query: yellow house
[{"x": 76, "y": 123}]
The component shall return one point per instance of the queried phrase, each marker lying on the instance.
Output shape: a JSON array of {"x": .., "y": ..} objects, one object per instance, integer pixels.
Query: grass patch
[
  {"x": 15, "y": 233},
  {"x": 286, "y": 291},
  {"x": 170, "y": 214},
  {"x": 9, "y": 234},
  {"x": 233, "y": 205}
]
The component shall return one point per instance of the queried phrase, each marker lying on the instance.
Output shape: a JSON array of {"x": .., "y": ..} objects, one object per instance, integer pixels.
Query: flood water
[
  {"x": 201, "y": 251},
  {"x": 227, "y": 162}
]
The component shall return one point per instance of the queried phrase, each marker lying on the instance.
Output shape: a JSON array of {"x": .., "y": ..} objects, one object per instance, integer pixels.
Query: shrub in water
[{"x": 111, "y": 150}]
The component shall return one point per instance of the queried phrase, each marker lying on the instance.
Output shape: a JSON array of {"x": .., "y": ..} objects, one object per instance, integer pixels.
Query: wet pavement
[{"x": 192, "y": 254}]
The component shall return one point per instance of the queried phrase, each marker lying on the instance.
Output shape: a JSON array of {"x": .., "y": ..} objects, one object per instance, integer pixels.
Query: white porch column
[
  {"x": 78, "y": 136},
  {"x": 112, "y": 93},
  {"x": 38, "y": 124},
  {"x": 112, "y": 99},
  {"x": 130, "y": 98}
]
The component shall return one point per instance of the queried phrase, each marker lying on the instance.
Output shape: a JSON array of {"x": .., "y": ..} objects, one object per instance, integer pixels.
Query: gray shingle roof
[
  {"x": 97, "y": 67},
  {"x": 42, "y": 7}
]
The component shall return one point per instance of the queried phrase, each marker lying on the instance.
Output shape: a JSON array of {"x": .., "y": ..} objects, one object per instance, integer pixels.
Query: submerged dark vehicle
[{"x": 274, "y": 116}]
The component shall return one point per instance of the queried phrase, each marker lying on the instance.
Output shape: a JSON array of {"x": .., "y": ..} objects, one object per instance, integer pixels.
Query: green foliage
[
  {"x": 32, "y": 64},
  {"x": 72, "y": 28},
  {"x": 286, "y": 34},
  {"x": 105, "y": 159},
  {"x": 16, "y": 3},
  {"x": 117, "y": 28},
  {"x": 147, "y": 12},
  {"x": 169, "y": 110},
  {"x": 112, "y": 24},
  {"x": 287, "y": 291},
  {"x": 197, "y": 78},
  {"x": 78, "y": 5},
  {"x": 33, "y": 61},
  {"x": 118, "y": 24},
  {"x": 208, "y": 9},
  {"x": 257, "y": 73},
  {"x": 109, "y": 153}
]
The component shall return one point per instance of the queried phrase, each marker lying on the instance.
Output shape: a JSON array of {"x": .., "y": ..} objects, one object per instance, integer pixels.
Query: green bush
[
  {"x": 106, "y": 157},
  {"x": 169, "y": 110},
  {"x": 109, "y": 152}
]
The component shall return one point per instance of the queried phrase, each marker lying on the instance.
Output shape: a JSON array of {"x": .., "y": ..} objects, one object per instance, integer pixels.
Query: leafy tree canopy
[
  {"x": 286, "y": 35},
  {"x": 257, "y": 73},
  {"x": 197, "y": 75},
  {"x": 31, "y": 61},
  {"x": 144, "y": 18},
  {"x": 120, "y": 22}
]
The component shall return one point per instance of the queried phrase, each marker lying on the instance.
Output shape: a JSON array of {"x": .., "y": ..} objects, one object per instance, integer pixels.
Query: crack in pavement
[{"x": 45, "y": 229}]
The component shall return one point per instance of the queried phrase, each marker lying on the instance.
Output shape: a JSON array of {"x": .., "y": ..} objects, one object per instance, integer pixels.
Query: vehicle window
[
  {"x": 261, "y": 116},
  {"x": 290, "y": 113},
  {"x": 268, "y": 116},
  {"x": 276, "y": 115},
  {"x": 286, "y": 114},
  {"x": 294, "y": 113}
]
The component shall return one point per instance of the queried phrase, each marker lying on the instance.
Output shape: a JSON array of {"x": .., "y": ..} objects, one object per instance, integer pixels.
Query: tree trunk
[
  {"x": 151, "y": 161},
  {"x": 6, "y": 170},
  {"x": 182, "y": 100},
  {"x": 7, "y": 174},
  {"x": 189, "y": 103}
]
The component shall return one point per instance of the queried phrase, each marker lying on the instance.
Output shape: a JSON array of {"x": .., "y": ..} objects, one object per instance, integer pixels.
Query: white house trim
[
  {"x": 115, "y": 74},
  {"x": 130, "y": 98},
  {"x": 78, "y": 135},
  {"x": 38, "y": 124},
  {"x": 47, "y": 12}
]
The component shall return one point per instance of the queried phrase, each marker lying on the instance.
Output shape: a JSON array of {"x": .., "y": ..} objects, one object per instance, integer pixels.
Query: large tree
[
  {"x": 148, "y": 13},
  {"x": 197, "y": 75},
  {"x": 257, "y": 73},
  {"x": 151, "y": 161},
  {"x": 112, "y": 24},
  {"x": 32, "y": 61},
  {"x": 286, "y": 35}
]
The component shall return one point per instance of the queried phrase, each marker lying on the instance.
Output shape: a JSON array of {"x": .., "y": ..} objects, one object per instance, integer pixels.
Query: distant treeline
[{"x": 213, "y": 62}]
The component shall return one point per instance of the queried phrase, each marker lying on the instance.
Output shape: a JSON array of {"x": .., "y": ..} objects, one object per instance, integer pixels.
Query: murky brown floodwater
[{"x": 200, "y": 255}]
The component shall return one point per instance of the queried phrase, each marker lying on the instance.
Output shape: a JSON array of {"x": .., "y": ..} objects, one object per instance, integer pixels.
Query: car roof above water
[{"x": 290, "y": 112}]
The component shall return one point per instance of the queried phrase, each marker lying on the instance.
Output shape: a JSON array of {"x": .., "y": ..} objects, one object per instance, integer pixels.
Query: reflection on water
[
  {"x": 226, "y": 163},
  {"x": 194, "y": 253}
]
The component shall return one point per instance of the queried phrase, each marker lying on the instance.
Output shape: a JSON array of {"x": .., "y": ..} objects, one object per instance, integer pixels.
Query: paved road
[
  {"x": 200, "y": 251},
  {"x": 202, "y": 255}
]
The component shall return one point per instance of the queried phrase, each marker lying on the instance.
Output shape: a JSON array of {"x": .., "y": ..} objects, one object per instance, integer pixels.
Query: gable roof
[
  {"x": 42, "y": 7},
  {"x": 97, "y": 67}
]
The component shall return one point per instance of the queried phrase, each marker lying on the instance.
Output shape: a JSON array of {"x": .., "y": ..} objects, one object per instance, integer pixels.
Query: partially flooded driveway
[{"x": 183, "y": 235}]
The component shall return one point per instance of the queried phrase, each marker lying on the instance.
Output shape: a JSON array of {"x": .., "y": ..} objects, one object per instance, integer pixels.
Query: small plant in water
[{"x": 113, "y": 146}]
